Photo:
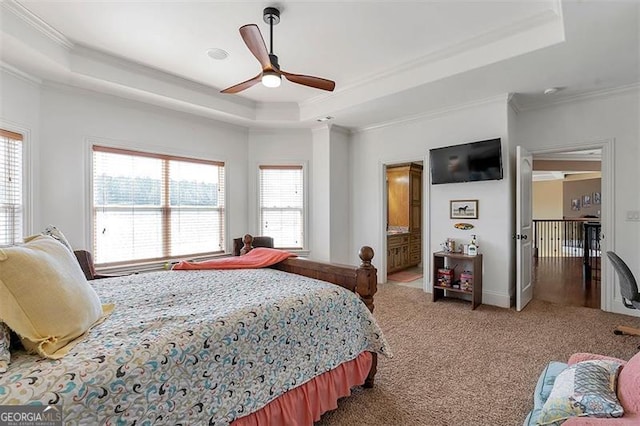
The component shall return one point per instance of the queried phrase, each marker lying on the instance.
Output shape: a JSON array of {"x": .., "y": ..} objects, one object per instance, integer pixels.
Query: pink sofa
[{"x": 628, "y": 392}]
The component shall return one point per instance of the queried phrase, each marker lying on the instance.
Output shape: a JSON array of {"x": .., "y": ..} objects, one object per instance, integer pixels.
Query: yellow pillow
[{"x": 45, "y": 298}]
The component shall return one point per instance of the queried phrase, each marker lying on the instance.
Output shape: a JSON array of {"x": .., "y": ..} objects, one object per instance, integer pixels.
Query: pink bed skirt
[{"x": 305, "y": 404}]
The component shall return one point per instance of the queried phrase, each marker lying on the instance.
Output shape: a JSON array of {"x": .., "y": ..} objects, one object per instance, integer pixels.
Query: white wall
[
  {"x": 592, "y": 120},
  {"x": 275, "y": 147},
  {"x": 59, "y": 122},
  {"x": 411, "y": 141},
  {"x": 20, "y": 112},
  {"x": 72, "y": 118},
  {"x": 325, "y": 152},
  {"x": 341, "y": 250}
]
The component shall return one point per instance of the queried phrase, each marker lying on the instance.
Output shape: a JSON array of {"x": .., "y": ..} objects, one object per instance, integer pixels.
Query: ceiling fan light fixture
[
  {"x": 271, "y": 79},
  {"x": 271, "y": 75}
]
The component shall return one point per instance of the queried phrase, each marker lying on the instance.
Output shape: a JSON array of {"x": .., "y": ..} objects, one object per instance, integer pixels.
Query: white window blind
[
  {"x": 11, "y": 205},
  {"x": 151, "y": 207},
  {"x": 282, "y": 208}
]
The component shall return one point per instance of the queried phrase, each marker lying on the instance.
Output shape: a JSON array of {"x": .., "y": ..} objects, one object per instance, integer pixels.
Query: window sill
[
  {"x": 301, "y": 253},
  {"x": 158, "y": 265}
]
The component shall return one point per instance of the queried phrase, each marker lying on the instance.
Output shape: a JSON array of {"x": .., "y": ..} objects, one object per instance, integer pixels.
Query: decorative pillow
[
  {"x": 45, "y": 298},
  {"x": 5, "y": 342},
  {"x": 543, "y": 389},
  {"x": 54, "y": 232},
  {"x": 587, "y": 388}
]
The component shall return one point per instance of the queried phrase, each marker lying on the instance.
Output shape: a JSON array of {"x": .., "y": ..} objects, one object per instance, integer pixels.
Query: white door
[{"x": 524, "y": 228}]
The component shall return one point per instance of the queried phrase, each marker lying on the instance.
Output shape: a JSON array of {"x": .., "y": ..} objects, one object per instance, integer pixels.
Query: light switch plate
[{"x": 633, "y": 215}]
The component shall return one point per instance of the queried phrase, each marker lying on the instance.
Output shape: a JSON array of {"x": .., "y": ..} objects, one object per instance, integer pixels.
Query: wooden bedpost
[
  {"x": 366, "y": 286},
  {"x": 367, "y": 277}
]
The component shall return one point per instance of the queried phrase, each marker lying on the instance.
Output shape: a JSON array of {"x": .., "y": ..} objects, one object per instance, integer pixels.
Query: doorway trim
[
  {"x": 607, "y": 215},
  {"x": 382, "y": 266}
]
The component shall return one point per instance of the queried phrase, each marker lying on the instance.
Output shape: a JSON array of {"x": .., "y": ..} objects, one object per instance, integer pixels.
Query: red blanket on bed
[{"x": 259, "y": 257}]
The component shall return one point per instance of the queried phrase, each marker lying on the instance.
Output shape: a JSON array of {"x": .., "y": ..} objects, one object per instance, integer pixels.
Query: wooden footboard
[{"x": 362, "y": 280}]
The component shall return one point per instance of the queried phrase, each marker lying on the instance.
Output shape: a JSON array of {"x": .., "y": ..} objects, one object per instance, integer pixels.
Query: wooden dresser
[{"x": 404, "y": 210}]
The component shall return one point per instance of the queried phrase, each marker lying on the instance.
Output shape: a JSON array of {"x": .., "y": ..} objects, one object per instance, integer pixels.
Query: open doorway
[
  {"x": 567, "y": 210},
  {"x": 403, "y": 224}
]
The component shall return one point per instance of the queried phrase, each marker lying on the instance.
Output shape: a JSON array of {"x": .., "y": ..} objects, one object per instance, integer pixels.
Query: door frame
[
  {"x": 607, "y": 211},
  {"x": 382, "y": 225}
]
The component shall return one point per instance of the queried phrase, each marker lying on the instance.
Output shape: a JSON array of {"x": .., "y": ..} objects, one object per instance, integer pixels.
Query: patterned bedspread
[{"x": 197, "y": 347}]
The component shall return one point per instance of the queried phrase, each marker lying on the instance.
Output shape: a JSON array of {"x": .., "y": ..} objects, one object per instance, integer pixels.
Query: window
[
  {"x": 11, "y": 204},
  {"x": 282, "y": 209},
  {"x": 155, "y": 207}
]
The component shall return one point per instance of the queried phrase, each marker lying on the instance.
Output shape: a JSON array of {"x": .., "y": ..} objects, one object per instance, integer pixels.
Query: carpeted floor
[{"x": 455, "y": 366}]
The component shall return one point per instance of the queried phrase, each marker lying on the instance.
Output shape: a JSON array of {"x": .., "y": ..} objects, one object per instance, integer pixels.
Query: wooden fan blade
[
  {"x": 307, "y": 80},
  {"x": 253, "y": 39},
  {"x": 244, "y": 85}
]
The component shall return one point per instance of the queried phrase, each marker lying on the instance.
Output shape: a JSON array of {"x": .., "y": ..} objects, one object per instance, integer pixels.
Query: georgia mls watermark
[{"x": 31, "y": 415}]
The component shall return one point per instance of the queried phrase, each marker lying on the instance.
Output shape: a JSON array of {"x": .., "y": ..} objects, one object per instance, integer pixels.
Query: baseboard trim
[{"x": 492, "y": 298}]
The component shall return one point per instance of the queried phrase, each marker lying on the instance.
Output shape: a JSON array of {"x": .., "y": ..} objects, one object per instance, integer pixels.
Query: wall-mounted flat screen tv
[{"x": 468, "y": 162}]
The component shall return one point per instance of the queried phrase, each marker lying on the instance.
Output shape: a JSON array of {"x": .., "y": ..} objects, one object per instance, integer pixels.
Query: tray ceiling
[{"x": 389, "y": 59}]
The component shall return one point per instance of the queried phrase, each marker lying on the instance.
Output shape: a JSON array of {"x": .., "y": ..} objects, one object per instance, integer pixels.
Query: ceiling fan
[{"x": 271, "y": 74}]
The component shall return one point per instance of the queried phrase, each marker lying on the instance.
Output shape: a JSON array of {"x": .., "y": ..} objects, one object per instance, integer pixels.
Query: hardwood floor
[
  {"x": 555, "y": 279},
  {"x": 559, "y": 280}
]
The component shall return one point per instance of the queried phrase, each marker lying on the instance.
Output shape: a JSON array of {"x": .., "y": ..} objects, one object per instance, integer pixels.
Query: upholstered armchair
[{"x": 85, "y": 259}]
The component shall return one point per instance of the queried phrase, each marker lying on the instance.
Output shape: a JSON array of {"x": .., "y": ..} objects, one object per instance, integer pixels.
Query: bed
[{"x": 213, "y": 347}]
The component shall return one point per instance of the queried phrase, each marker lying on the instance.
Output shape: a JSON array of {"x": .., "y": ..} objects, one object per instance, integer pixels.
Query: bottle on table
[{"x": 473, "y": 246}]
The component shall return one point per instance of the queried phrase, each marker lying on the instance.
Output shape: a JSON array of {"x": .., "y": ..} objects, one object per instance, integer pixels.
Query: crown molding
[
  {"x": 433, "y": 114},
  {"x": 35, "y": 22},
  {"x": 85, "y": 53},
  {"x": 278, "y": 131},
  {"x": 512, "y": 101},
  {"x": 321, "y": 127},
  {"x": 15, "y": 72},
  {"x": 339, "y": 129},
  {"x": 452, "y": 50},
  {"x": 91, "y": 91},
  {"x": 580, "y": 97}
]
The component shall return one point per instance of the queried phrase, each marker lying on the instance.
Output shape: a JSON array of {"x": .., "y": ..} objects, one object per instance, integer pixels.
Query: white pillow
[{"x": 45, "y": 298}]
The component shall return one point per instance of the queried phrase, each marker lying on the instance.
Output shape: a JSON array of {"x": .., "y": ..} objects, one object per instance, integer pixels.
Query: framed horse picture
[{"x": 463, "y": 209}]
